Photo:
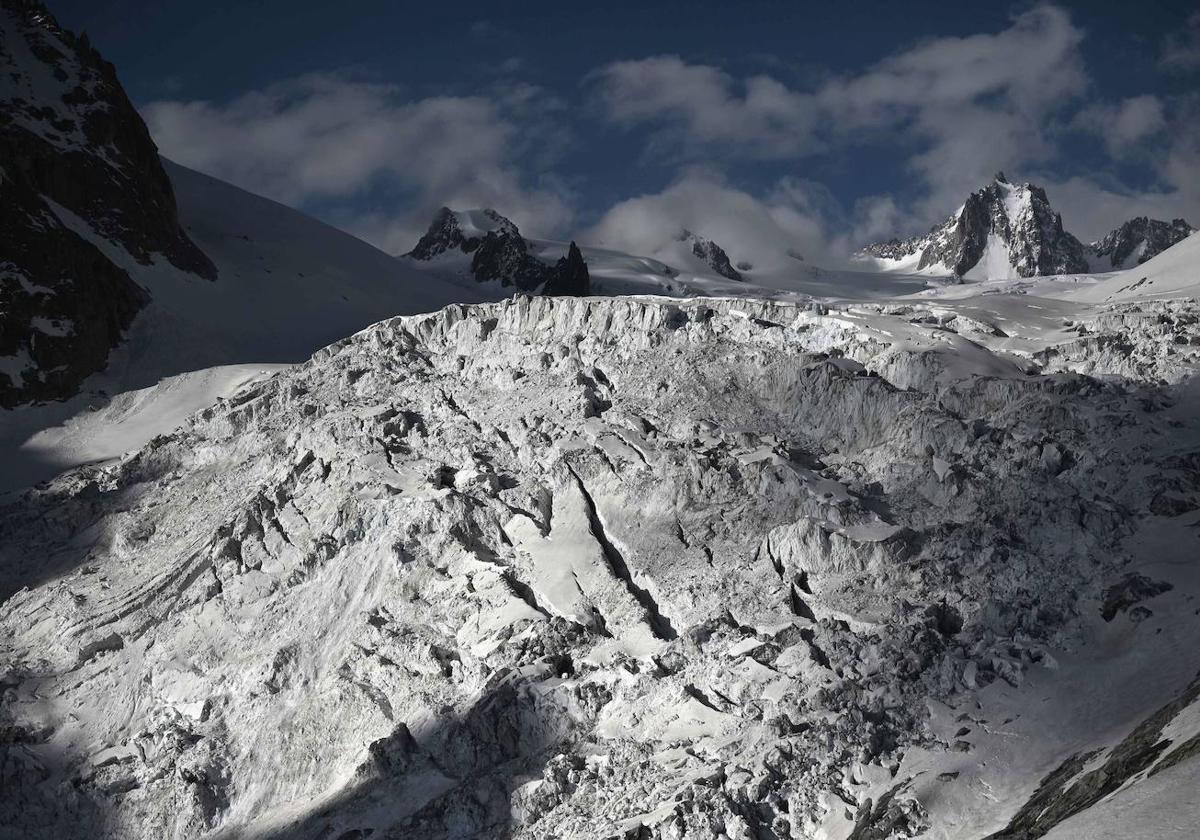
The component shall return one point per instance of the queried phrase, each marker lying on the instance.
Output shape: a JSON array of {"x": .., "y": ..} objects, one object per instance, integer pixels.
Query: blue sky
[{"x": 813, "y": 125}]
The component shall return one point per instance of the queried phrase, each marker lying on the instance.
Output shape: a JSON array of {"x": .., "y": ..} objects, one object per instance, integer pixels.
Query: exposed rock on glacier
[{"x": 572, "y": 567}]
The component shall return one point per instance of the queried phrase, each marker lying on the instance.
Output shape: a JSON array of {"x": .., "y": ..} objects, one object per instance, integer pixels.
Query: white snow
[
  {"x": 288, "y": 285},
  {"x": 475, "y": 224},
  {"x": 913, "y": 404},
  {"x": 1175, "y": 273},
  {"x": 132, "y": 418},
  {"x": 994, "y": 263}
]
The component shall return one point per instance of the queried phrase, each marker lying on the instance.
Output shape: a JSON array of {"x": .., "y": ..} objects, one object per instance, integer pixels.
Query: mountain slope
[
  {"x": 119, "y": 270},
  {"x": 1173, "y": 273},
  {"x": 713, "y": 255},
  {"x": 71, "y": 140},
  {"x": 287, "y": 285},
  {"x": 1136, "y": 241},
  {"x": 1002, "y": 230}
]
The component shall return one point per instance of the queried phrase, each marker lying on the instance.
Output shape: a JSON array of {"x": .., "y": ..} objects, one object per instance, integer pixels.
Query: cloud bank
[{"x": 326, "y": 139}]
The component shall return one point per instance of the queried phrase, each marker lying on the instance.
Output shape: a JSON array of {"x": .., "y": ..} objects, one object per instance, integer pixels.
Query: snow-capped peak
[
  {"x": 1136, "y": 241},
  {"x": 1004, "y": 229},
  {"x": 498, "y": 253},
  {"x": 461, "y": 230}
]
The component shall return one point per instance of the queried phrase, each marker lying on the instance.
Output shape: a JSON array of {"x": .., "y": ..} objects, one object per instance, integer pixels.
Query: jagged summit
[
  {"x": 1136, "y": 241},
  {"x": 712, "y": 254},
  {"x": 499, "y": 253},
  {"x": 462, "y": 231},
  {"x": 1002, "y": 230}
]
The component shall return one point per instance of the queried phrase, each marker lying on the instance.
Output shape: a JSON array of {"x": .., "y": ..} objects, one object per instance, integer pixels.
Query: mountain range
[{"x": 1006, "y": 230}]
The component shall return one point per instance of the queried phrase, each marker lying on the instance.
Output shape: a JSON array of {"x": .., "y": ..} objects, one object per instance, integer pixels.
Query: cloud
[
  {"x": 974, "y": 104},
  {"x": 1181, "y": 50},
  {"x": 965, "y": 106},
  {"x": 695, "y": 105},
  {"x": 1123, "y": 125},
  {"x": 1091, "y": 206},
  {"x": 1090, "y": 209},
  {"x": 759, "y": 231},
  {"x": 323, "y": 139}
]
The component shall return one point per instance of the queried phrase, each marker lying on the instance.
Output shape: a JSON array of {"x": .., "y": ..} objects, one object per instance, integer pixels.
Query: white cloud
[
  {"x": 1181, "y": 51},
  {"x": 697, "y": 104},
  {"x": 1091, "y": 209},
  {"x": 322, "y": 138},
  {"x": 1093, "y": 206},
  {"x": 971, "y": 105},
  {"x": 974, "y": 104},
  {"x": 966, "y": 106},
  {"x": 760, "y": 231},
  {"x": 1123, "y": 125}
]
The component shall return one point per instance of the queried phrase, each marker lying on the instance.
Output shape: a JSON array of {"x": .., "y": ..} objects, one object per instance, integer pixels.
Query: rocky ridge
[
  {"x": 1016, "y": 219},
  {"x": 74, "y": 154},
  {"x": 582, "y": 567},
  {"x": 713, "y": 255},
  {"x": 1136, "y": 241},
  {"x": 499, "y": 253}
]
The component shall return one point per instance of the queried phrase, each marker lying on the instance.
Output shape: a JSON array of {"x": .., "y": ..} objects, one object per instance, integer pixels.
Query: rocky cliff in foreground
[
  {"x": 75, "y": 159},
  {"x": 616, "y": 568}
]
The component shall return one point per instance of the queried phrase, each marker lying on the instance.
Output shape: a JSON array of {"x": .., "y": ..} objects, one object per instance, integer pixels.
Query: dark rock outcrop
[
  {"x": 445, "y": 233},
  {"x": 713, "y": 255},
  {"x": 1020, "y": 216},
  {"x": 500, "y": 253},
  {"x": 570, "y": 276},
  {"x": 1137, "y": 241},
  {"x": 76, "y": 160}
]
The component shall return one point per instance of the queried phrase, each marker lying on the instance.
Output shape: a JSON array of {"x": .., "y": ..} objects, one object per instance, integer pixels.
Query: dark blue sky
[{"x": 580, "y": 139}]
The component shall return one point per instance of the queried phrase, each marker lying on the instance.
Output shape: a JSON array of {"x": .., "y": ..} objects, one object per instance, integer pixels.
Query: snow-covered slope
[
  {"x": 1174, "y": 273},
  {"x": 580, "y": 567},
  {"x": 286, "y": 286},
  {"x": 1003, "y": 230},
  {"x": 118, "y": 270}
]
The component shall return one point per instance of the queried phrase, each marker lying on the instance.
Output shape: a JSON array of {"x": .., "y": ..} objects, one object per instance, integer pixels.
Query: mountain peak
[
  {"x": 712, "y": 254},
  {"x": 460, "y": 230},
  {"x": 1002, "y": 230},
  {"x": 1138, "y": 239},
  {"x": 499, "y": 252}
]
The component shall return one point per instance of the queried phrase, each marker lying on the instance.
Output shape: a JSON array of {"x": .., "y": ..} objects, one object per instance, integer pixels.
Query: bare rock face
[
  {"x": 713, "y": 255},
  {"x": 72, "y": 150},
  {"x": 499, "y": 253},
  {"x": 1016, "y": 217},
  {"x": 565, "y": 567},
  {"x": 570, "y": 275},
  {"x": 1136, "y": 241},
  {"x": 446, "y": 233}
]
